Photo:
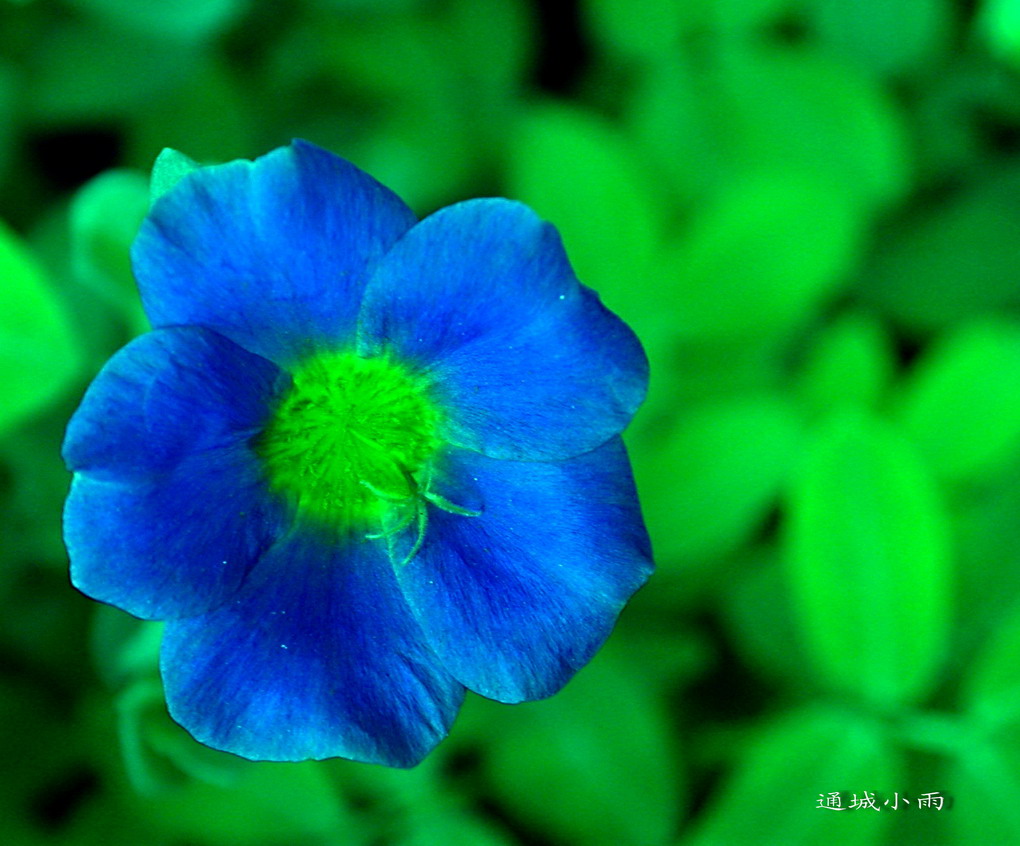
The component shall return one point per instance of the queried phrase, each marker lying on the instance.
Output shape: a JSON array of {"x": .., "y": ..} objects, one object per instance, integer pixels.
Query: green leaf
[
  {"x": 10, "y": 86},
  {"x": 415, "y": 807},
  {"x": 209, "y": 111},
  {"x": 34, "y": 487},
  {"x": 986, "y": 535},
  {"x": 373, "y": 6},
  {"x": 851, "y": 363},
  {"x": 489, "y": 46},
  {"x": 84, "y": 72},
  {"x": 745, "y": 14},
  {"x": 416, "y": 151},
  {"x": 758, "y": 617},
  {"x": 709, "y": 484},
  {"x": 999, "y": 23},
  {"x": 592, "y": 765},
  {"x": 708, "y": 116},
  {"x": 639, "y": 30},
  {"x": 882, "y": 36},
  {"x": 772, "y": 794},
  {"x": 652, "y": 28},
  {"x": 675, "y": 116},
  {"x": 990, "y": 690},
  {"x": 169, "y": 168},
  {"x": 440, "y": 115},
  {"x": 181, "y": 21},
  {"x": 39, "y": 356},
  {"x": 37, "y": 748},
  {"x": 961, "y": 403},
  {"x": 124, "y": 648},
  {"x": 799, "y": 108},
  {"x": 952, "y": 260},
  {"x": 104, "y": 216},
  {"x": 443, "y": 825},
  {"x": 579, "y": 173},
  {"x": 760, "y": 256},
  {"x": 868, "y": 562},
  {"x": 986, "y": 771},
  {"x": 266, "y": 803},
  {"x": 159, "y": 755}
]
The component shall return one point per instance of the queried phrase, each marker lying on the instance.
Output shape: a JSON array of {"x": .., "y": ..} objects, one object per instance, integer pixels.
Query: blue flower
[{"x": 361, "y": 463}]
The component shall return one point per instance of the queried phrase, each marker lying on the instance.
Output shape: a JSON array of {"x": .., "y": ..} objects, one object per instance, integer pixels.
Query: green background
[{"x": 809, "y": 210}]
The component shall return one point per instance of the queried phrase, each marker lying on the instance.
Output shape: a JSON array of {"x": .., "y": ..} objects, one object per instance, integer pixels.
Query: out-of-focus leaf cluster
[{"x": 809, "y": 210}]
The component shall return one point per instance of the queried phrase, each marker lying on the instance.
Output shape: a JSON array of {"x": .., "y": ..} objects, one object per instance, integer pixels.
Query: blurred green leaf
[
  {"x": 423, "y": 125},
  {"x": 999, "y": 23},
  {"x": 868, "y": 562},
  {"x": 758, "y": 257},
  {"x": 104, "y": 216},
  {"x": 740, "y": 14},
  {"x": 675, "y": 116},
  {"x": 712, "y": 480},
  {"x": 268, "y": 803},
  {"x": 592, "y": 765},
  {"x": 953, "y": 259},
  {"x": 638, "y": 29},
  {"x": 579, "y": 173},
  {"x": 991, "y": 687},
  {"x": 960, "y": 118},
  {"x": 758, "y": 615},
  {"x": 981, "y": 778},
  {"x": 689, "y": 373},
  {"x": 654, "y": 27},
  {"x": 159, "y": 755},
  {"x": 83, "y": 72},
  {"x": 707, "y": 370},
  {"x": 489, "y": 45},
  {"x": 37, "y": 751},
  {"x": 360, "y": 50},
  {"x": 772, "y": 794},
  {"x": 169, "y": 168},
  {"x": 415, "y": 151},
  {"x": 986, "y": 535},
  {"x": 39, "y": 356},
  {"x": 797, "y": 108},
  {"x": 124, "y": 648},
  {"x": 962, "y": 401},
  {"x": 851, "y": 363},
  {"x": 375, "y": 6},
  {"x": 884, "y": 36},
  {"x": 447, "y": 826},
  {"x": 10, "y": 86},
  {"x": 710, "y": 115},
  {"x": 137, "y": 709},
  {"x": 209, "y": 112},
  {"x": 33, "y": 486},
  {"x": 415, "y": 807},
  {"x": 180, "y": 21}
]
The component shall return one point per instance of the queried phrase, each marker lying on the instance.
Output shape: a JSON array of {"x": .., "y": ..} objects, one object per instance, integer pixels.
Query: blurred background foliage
[{"x": 810, "y": 212}]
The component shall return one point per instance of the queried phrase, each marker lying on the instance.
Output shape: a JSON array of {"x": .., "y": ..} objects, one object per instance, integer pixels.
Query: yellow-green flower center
[{"x": 346, "y": 440}]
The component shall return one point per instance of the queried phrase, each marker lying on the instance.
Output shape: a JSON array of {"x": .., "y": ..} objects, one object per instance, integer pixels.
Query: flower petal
[
  {"x": 167, "y": 510},
  {"x": 273, "y": 253},
  {"x": 317, "y": 657},
  {"x": 517, "y": 600},
  {"x": 526, "y": 362},
  {"x": 168, "y": 393}
]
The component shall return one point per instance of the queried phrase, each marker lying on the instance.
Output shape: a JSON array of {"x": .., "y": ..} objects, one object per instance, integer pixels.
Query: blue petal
[
  {"x": 526, "y": 362},
  {"x": 167, "y": 511},
  {"x": 272, "y": 253},
  {"x": 518, "y": 599},
  {"x": 317, "y": 657},
  {"x": 450, "y": 479}
]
